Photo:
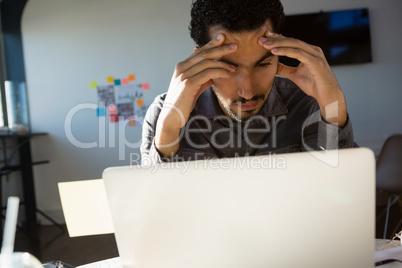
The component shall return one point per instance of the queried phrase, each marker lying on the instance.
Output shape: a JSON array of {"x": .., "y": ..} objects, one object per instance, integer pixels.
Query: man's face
[{"x": 244, "y": 93}]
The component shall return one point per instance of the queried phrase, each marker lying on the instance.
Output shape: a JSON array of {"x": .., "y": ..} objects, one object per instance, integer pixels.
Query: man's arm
[
  {"x": 190, "y": 79},
  {"x": 313, "y": 75},
  {"x": 320, "y": 135},
  {"x": 149, "y": 154},
  {"x": 333, "y": 128}
]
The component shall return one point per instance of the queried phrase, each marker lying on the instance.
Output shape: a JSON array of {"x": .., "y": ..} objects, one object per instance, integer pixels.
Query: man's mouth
[{"x": 249, "y": 105}]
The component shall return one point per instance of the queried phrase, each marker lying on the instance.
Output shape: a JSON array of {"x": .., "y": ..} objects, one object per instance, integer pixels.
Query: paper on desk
[
  {"x": 85, "y": 206},
  {"x": 108, "y": 263},
  {"x": 394, "y": 253}
]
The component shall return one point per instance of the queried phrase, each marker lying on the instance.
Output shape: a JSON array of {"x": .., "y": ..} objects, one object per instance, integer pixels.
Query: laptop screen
[{"x": 245, "y": 212}]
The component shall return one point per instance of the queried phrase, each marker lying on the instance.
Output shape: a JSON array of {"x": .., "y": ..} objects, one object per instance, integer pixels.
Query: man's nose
[{"x": 245, "y": 87}]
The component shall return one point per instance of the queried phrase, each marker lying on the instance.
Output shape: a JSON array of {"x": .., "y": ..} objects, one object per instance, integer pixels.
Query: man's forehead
[{"x": 241, "y": 36}]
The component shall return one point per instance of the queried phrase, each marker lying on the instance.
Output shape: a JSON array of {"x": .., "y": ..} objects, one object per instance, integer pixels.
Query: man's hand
[
  {"x": 190, "y": 79},
  {"x": 313, "y": 75}
]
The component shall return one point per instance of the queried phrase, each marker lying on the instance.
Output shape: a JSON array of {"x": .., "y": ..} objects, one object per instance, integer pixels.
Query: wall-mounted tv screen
[{"x": 344, "y": 36}]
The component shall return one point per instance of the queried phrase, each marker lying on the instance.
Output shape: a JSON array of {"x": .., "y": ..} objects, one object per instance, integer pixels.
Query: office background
[{"x": 68, "y": 44}]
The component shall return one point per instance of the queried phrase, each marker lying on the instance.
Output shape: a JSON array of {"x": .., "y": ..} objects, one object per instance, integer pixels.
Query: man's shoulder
[
  {"x": 160, "y": 97},
  {"x": 155, "y": 108},
  {"x": 159, "y": 100},
  {"x": 284, "y": 83},
  {"x": 290, "y": 92},
  {"x": 286, "y": 87}
]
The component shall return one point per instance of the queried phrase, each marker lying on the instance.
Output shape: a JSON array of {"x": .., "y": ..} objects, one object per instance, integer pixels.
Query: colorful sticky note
[
  {"x": 93, "y": 84},
  {"x": 145, "y": 86},
  {"x": 124, "y": 81},
  {"x": 117, "y": 82},
  {"x": 140, "y": 102},
  {"x": 131, "y": 77},
  {"x": 131, "y": 123},
  {"x": 101, "y": 111},
  {"x": 114, "y": 118},
  {"x": 110, "y": 79},
  {"x": 112, "y": 109}
]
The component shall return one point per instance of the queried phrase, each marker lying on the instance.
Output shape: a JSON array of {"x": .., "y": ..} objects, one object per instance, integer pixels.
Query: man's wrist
[
  {"x": 335, "y": 113},
  {"x": 167, "y": 141}
]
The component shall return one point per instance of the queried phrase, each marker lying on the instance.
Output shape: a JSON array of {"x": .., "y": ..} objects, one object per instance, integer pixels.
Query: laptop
[{"x": 286, "y": 210}]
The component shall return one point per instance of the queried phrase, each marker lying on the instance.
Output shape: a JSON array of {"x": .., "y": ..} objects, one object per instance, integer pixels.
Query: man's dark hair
[{"x": 233, "y": 15}]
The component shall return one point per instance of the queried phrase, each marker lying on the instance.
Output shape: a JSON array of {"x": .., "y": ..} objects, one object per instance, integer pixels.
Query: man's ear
[{"x": 196, "y": 48}]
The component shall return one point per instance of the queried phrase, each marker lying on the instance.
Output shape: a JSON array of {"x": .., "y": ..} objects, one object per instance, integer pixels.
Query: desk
[
  {"x": 25, "y": 166},
  {"x": 388, "y": 249},
  {"x": 116, "y": 262}
]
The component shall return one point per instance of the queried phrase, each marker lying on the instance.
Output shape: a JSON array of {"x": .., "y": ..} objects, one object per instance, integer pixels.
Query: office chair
[{"x": 389, "y": 173}]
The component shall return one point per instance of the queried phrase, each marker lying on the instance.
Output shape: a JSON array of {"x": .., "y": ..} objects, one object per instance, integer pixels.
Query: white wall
[
  {"x": 67, "y": 44},
  {"x": 373, "y": 91}
]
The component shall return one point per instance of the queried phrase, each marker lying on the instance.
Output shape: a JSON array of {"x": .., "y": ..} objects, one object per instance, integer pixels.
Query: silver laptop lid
[{"x": 291, "y": 210}]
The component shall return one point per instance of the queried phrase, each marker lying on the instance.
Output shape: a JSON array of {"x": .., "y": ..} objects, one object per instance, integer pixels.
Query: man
[{"x": 232, "y": 97}]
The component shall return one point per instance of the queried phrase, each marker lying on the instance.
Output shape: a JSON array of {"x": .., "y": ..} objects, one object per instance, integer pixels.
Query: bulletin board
[{"x": 121, "y": 99}]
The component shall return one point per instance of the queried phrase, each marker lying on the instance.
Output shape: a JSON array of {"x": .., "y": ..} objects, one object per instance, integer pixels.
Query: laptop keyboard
[{"x": 381, "y": 244}]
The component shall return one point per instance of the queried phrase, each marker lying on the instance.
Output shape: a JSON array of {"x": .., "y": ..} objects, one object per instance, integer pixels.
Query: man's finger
[
  {"x": 207, "y": 75},
  {"x": 286, "y": 71},
  {"x": 278, "y": 41},
  {"x": 296, "y": 53},
  {"x": 209, "y": 54},
  {"x": 215, "y": 42},
  {"x": 208, "y": 64}
]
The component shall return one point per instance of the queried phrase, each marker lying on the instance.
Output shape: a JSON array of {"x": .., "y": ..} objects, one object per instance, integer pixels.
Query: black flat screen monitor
[{"x": 344, "y": 36}]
